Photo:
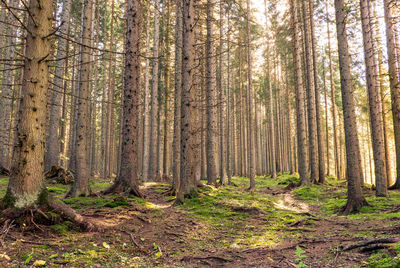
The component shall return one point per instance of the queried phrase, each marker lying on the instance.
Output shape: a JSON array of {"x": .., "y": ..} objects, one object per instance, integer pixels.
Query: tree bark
[
  {"x": 375, "y": 105},
  {"x": 355, "y": 198},
  {"x": 394, "y": 83},
  {"x": 53, "y": 140},
  {"x": 211, "y": 99},
  {"x": 302, "y": 152},
  {"x": 127, "y": 179},
  {"x": 26, "y": 186},
  {"x": 154, "y": 98},
  {"x": 81, "y": 185},
  {"x": 188, "y": 183}
]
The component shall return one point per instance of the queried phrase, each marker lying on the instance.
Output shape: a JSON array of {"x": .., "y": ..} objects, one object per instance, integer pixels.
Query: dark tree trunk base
[
  {"x": 395, "y": 186},
  {"x": 353, "y": 206},
  {"x": 122, "y": 187},
  {"x": 75, "y": 192},
  {"x": 33, "y": 217}
]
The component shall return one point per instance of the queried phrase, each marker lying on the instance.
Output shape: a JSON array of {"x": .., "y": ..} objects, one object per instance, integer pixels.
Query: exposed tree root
[
  {"x": 60, "y": 175},
  {"x": 123, "y": 187},
  {"x": 372, "y": 244},
  {"x": 4, "y": 171},
  {"x": 48, "y": 213}
]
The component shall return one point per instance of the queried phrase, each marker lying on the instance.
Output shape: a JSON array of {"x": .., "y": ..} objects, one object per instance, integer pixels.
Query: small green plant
[{"x": 299, "y": 253}]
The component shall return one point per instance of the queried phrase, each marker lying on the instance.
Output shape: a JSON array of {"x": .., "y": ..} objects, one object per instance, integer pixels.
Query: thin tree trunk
[
  {"x": 81, "y": 185},
  {"x": 222, "y": 101}
]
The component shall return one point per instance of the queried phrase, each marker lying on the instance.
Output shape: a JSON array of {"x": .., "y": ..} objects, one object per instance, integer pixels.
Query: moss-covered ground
[{"x": 271, "y": 226}]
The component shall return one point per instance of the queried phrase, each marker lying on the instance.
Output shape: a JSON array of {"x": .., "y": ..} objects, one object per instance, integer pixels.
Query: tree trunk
[
  {"x": 178, "y": 91},
  {"x": 321, "y": 149},
  {"x": 250, "y": 99},
  {"x": 154, "y": 98},
  {"x": 333, "y": 99},
  {"x": 127, "y": 179},
  {"x": 81, "y": 185},
  {"x": 53, "y": 140},
  {"x": 188, "y": 183},
  {"x": 26, "y": 187},
  {"x": 312, "y": 115},
  {"x": 7, "y": 87},
  {"x": 375, "y": 105},
  {"x": 355, "y": 198},
  {"x": 221, "y": 101},
  {"x": 394, "y": 84},
  {"x": 211, "y": 100},
  {"x": 302, "y": 152}
]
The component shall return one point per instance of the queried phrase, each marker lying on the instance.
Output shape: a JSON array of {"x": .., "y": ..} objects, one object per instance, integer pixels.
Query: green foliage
[
  {"x": 56, "y": 189},
  {"x": 95, "y": 202},
  {"x": 63, "y": 227},
  {"x": 299, "y": 253},
  {"x": 382, "y": 259},
  {"x": 312, "y": 193}
]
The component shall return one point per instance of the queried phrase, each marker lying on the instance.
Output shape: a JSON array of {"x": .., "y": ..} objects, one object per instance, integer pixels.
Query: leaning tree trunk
[
  {"x": 53, "y": 140},
  {"x": 394, "y": 84},
  {"x": 355, "y": 198},
  {"x": 211, "y": 100},
  {"x": 302, "y": 151},
  {"x": 127, "y": 179},
  {"x": 188, "y": 183},
  {"x": 375, "y": 105},
  {"x": 81, "y": 185}
]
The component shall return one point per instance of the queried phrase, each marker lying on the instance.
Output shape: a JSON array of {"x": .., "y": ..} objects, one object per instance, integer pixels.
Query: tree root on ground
[
  {"x": 121, "y": 187},
  {"x": 373, "y": 244}
]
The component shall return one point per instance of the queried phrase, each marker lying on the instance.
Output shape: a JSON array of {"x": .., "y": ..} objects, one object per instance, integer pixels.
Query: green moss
[
  {"x": 63, "y": 227},
  {"x": 311, "y": 193},
  {"x": 383, "y": 259},
  {"x": 56, "y": 189},
  {"x": 95, "y": 202}
]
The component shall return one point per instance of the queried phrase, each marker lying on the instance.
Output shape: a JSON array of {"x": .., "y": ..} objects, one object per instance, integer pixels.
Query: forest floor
[{"x": 272, "y": 226}]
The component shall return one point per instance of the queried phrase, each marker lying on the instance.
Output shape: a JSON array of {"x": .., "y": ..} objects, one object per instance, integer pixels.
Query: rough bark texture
[
  {"x": 321, "y": 148},
  {"x": 154, "y": 126},
  {"x": 333, "y": 99},
  {"x": 188, "y": 183},
  {"x": 394, "y": 84},
  {"x": 178, "y": 99},
  {"x": 375, "y": 105},
  {"x": 311, "y": 107},
  {"x": 26, "y": 187},
  {"x": 211, "y": 98},
  {"x": 302, "y": 152},
  {"x": 81, "y": 185},
  {"x": 53, "y": 140},
  {"x": 355, "y": 198},
  {"x": 221, "y": 101},
  {"x": 127, "y": 179}
]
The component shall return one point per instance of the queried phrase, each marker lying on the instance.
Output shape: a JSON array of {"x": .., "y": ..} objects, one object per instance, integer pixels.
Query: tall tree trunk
[
  {"x": 153, "y": 170},
  {"x": 7, "y": 86},
  {"x": 321, "y": 149},
  {"x": 221, "y": 101},
  {"x": 211, "y": 99},
  {"x": 312, "y": 115},
  {"x": 302, "y": 152},
  {"x": 81, "y": 185},
  {"x": 250, "y": 136},
  {"x": 228, "y": 107},
  {"x": 53, "y": 140},
  {"x": 333, "y": 99},
  {"x": 127, "y": 179},
  {"x": 26, "y": 187},
  {"x": 326, "y": 120},
  {"x": 375, "y": 105},
  {"x": 178, "y": 91},
  {"x": 355, "y": 198},
  {"x": 188, "y": 183},
  {"x": 110, "y": 101},
  {"x": 146, "y": 110},
  {"x": 394, "y": 83}
]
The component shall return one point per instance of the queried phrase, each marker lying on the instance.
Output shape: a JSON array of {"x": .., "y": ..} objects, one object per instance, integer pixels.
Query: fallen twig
[{"x": 371, "y": 242}]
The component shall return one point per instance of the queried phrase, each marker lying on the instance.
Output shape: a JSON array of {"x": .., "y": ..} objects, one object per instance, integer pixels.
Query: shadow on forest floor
[{"x": 272, "y": 226}]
